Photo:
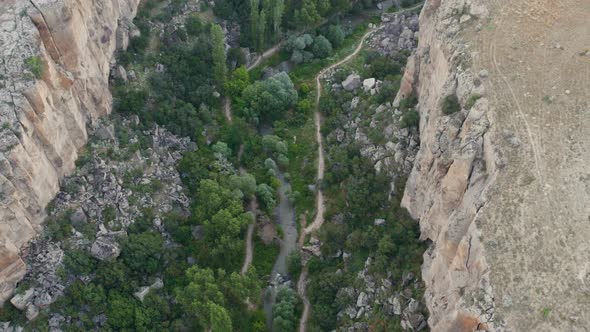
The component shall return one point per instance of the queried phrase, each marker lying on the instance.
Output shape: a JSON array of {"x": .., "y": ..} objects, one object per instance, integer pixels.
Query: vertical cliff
[
  {"x": 500, "y": 184},
  {"x": 54, "y": 68}
]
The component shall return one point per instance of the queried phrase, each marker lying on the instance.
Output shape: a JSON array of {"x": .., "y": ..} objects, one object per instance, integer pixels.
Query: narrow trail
[
  {"x": 320, "y": 204},
  {"x": 249, "y": 250},
  {"x": 253, "y": 207},
  {"x": 319, "y": 218}
]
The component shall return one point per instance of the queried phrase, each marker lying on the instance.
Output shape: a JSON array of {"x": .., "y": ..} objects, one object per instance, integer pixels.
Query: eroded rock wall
[
  {"x": 43, "y": 119},
  {"x": 454, "y": 167}
]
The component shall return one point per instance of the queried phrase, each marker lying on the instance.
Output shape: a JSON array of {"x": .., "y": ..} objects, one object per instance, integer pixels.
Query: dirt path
[
  {"x": 249, "y": 250},
  {"x": 319, "y": 217},
  {"x": 301, "y": 290},
  {"x": 253, "y": 207},
  {"x": 320, "y": 206}
]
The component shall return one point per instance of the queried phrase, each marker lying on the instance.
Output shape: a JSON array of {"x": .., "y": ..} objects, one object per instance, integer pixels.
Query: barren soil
[{"x": 536, "y": 223}]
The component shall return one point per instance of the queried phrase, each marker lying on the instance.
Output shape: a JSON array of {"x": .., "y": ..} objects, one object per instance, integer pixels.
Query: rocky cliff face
[
  {"x": 55, "y": 62},
  {"x": 500, "y": 184},
  {"x": 452, "y": 170}
]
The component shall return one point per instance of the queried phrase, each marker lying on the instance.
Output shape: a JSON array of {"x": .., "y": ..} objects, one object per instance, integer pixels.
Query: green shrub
[
  {"x": 450, "y": 105},
  {"x": 410, "y": 119},
  {"x": 472, "y": 100},
  {"x": 59, "y": 228},
  {"x": 79, "y": 262},
  {"x": 35, "y": 65},
  {"x": 408, "y": 103}
]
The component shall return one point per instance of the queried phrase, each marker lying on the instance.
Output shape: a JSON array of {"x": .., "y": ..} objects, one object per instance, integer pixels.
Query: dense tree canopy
[{"x": 269, "y": 99}]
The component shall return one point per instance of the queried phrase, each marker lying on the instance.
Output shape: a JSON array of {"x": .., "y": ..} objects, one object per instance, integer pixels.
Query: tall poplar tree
[
  {"x": 261, "y": 31},
  {"x": 219, "y": 57},
  {"x": 277, "y": 10},
  {"x": 254, "y": 21}
]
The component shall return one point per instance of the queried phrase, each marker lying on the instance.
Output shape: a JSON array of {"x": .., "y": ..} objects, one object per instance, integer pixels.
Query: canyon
[{"x": 499, "y": 185}]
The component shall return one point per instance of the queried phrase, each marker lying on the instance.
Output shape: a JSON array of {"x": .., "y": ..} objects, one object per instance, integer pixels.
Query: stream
[{"x": 286, "y": 220}]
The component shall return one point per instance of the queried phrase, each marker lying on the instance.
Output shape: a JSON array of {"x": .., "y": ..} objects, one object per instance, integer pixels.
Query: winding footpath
[{"x": 320, "y": 204}]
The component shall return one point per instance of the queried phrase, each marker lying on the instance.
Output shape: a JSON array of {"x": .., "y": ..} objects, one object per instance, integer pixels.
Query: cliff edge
[
  {"x": 54, "y": 69},
  {"x": 501, "y": 184}
]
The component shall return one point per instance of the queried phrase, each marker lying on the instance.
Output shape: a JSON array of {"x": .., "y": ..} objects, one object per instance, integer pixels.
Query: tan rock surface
[
  {"x": 502, "y": 189},
  {"x": 43, "y": 121}
]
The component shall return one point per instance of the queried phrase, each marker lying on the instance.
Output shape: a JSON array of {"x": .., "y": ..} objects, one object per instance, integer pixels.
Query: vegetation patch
[
  {"x": 35, "y": 65},
  {"x": 450, "y": 105}
]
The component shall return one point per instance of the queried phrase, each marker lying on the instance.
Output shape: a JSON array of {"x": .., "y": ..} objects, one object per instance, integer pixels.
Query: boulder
[
  {"x": 369, "y": 84},
  {"x": 20, "y": 301},
  {"x": 352, "y": 82},
  {"x": 354, "y": 103},
  {"x": 143, "y": 291},
  {"x": 105, "y": 248},
  {"x": 413, "y": 306},
  {"x": 131, "y": 75},
  {"x": 43, "y": 300},
  {"x": 362, "y": 300},
  {"x": 78, "y": 216},
  {"x": 122, "y": 73},
  {"x": 32, "y": 312},
  {"x": 106, "y": 132},
  {"x": 397, "y": 306}
]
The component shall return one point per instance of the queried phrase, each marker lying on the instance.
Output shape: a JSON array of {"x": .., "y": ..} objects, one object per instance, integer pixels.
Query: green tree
[
  {"x": 194, "y": 26},
  {"x": 274, "y": 13},
  {"x": 335, "y": 35},
  {"x": 220, "y": 320},
  {"x": 284, "y": 318},
  {"x": 308, "y": 14},
  {"x": 238, "y": 82},
  {"x": 214, "y": 197},
  {"x": 245, "y": 183},
  {"x": 142, "y": 252},
  {"x": 261, "y": 31},
  {"x": 254, "y": 20},
  {"x": 322, "y": 48},
  {"x": 120, "y": 311},
  {"x": 266, "y": 195},
  {"x": 273, "y": 145},
  {"x": 221, "y": 149},
  {"x": 200, "y": 294},
  {"x": 269, "y": 99},
  {"x": 219, "y": 57}
]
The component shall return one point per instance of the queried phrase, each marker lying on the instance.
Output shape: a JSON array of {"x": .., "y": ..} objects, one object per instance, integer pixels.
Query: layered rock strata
[{"x": 55, "y": 62}]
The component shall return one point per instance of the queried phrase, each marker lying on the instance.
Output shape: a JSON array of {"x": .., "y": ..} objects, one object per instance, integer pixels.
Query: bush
[
  {"x": 79, "y": 262},
  {"x": 471, "y": 101},
  {"x": 335, "y": 35},
  {"x": 35, "y": 65},
  {"x": 322, "y": 48},
  {"x": 410, "y": 119},
  {"x": 194, "y": 26},
  {"x": 59, "y": 228},
  {"x": 450, "y": 105},
  {"x": 408, "y": 103}
]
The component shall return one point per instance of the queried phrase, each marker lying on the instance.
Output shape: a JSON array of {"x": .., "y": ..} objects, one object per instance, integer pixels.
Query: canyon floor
[{"x": 536, "y": 223}]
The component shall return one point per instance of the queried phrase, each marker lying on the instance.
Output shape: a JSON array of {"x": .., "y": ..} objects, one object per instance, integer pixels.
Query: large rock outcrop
[
  {"x": 500, "y": 184},
  {"x": 55, "y": 61}
]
